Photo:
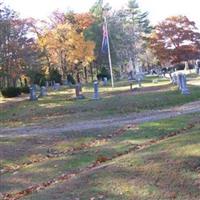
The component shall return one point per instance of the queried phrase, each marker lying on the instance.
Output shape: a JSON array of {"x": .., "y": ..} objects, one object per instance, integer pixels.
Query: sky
[{"x": 158, "y": 9}]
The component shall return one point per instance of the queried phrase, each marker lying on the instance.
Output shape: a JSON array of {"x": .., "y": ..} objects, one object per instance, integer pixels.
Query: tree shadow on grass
[{"x": 155, "y": 177}]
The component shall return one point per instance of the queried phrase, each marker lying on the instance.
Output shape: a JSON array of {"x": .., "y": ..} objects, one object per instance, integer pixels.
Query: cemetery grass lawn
[
  {"x": 15, "y": 150},
  {"x": 166, "y": 170},
  {"x": 59, "y": 108}
]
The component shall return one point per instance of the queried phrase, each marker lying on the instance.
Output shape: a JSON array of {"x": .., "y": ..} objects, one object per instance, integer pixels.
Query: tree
[
  {"x": 130, "y": 27},
  {"x": 175, "y": 39},
  {"x": 94, "y": 33},
  {"x": 65, "y": 44},
  {"x": 17, "y": 50},
  {"x": 148, "y": 59},
  {"x": 127, "y": 29}
]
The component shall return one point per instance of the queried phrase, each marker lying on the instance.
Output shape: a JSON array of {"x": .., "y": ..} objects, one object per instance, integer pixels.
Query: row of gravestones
[
  {"x": 180, "y": 80},
  {"x": 104, "y": 82},
  {"x": 78, "y": 91},
  {"x": 43, "y": 91},
  {"x": 33, "y": 94},
  {"x": 79, "y": 95}
]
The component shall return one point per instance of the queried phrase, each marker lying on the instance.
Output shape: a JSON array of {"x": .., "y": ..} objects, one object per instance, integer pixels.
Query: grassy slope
[
  {"x": 143, "y": 175},
  {"x": 167, "y": 170},
  {"x": 55, "y": 108}
]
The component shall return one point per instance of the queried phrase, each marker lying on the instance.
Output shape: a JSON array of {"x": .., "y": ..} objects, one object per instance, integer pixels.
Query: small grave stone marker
[
  {"x": 184, "y": 88},
  {"x": 33, "y": 96},
  {"x": 139, "y": 77},
  {"x": 96, "y": 90},
  {"x": 47, "y": 84},
  {"x": 65, "y": 82},
  {"x": 105, "y": 81},
  {"x": 174, "y": 79},
  {"x": 56, "y": 86},
  {"x": 182, "y": 84},
  {"x": 43, "y": 91},
  {"x": 179, "y": 77},
  {"x": 196, "y": 69},
  {"x": 139, "y": 82}
]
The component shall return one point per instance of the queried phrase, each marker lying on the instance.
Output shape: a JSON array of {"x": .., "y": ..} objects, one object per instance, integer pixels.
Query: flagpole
[{"x": 109, "y": 57}]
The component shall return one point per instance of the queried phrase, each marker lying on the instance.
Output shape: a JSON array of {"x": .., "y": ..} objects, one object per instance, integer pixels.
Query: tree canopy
[
  {"x": 71, "y": 42},
  {"x": 176, "y": 39}
]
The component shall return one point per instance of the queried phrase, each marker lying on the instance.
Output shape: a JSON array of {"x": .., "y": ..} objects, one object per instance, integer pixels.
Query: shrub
[
  {"x": 103, "y": 73},
  {"x": 54, "y": 75},
  {"x": 10, "y": 92},
  {"x": 71, "y": 79},
  {"x": 25, "y": 90},
  {"x": 39, "y": 79},
  {"x": 181, "y": 66},
  {"x": 42, "y": 81}
]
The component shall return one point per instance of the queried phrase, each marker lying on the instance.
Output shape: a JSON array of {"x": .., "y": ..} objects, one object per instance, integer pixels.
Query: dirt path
[{"x": 135, "y": 118}]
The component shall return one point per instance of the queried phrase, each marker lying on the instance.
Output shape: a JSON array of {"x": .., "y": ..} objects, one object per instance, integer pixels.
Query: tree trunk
[
  {"x": 14, "y": 82},
  {"x": 85, "y": 74},
  {"x": 91, "y": 71},
  {"x": 78, "y": 77}
]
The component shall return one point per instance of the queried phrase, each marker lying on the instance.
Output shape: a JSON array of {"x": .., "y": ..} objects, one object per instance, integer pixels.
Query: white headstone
[{"x": 96, "y": 90}]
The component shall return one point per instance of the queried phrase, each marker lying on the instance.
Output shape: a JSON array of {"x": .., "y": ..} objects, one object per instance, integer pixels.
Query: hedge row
[{"x": 14, "y": 91}]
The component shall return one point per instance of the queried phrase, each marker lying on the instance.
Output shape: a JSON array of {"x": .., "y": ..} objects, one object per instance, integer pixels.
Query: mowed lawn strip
[
  {"x": 18, "y": 150},
  {"x": 166, "y": 170},
  {"x": 44, "y": 171}
]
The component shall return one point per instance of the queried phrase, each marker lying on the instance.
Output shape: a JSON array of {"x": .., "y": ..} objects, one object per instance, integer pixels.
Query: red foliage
[
  {"x": 84, "y": 20},
  {"x": 175, "y": 39}
]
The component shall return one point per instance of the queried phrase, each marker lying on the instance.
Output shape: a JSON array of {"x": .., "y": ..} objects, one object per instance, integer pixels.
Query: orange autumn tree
[
  {"x": 175, "y": 39},
  {"x": 83, "y": 21},
  {"x": 67, "y": 47}
]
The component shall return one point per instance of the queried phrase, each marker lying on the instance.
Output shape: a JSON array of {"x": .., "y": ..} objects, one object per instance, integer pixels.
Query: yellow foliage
[{"x": 64, "y": 43}]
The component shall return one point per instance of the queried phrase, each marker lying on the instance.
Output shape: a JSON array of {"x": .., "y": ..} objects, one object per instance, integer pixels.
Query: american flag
[{"x": 104, "y": 46}]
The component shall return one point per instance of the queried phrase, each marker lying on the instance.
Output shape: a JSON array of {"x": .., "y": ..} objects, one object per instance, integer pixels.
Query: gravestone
[
  {"x": 184, "y": 88},
  {"x": 139, "y": 83},
  {"x": 78, "y": 91},
  {"x": 186, "y": 66},
  {"x": 56, "y": 86},
  {"x": 182, "y": 84},
  {"x": 174, "y": 79},
  {"x": 47, "y": 84},
  {"x": 65, "y": 82},
  {"x": 179, "y": 77},
  {"x": 197, "y": 67},
  {"x": 43, "y": 92},
  {"x": 96, "y": 90},
  {"x": 105, "y": 81},
  {"x": 139, "y": 77},
  {"x": 33, "y": 96},
  {"x": 70, "y": 84}
]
